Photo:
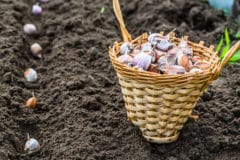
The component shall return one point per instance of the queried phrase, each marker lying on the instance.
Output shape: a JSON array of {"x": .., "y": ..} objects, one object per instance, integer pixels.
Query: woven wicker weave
[{"x": 161, "y": 104}]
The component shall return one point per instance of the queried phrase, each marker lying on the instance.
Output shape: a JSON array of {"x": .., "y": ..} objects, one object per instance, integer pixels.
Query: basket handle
[
  {"x": 116, "y": 7},
  {"x": 226, "y": 58}
]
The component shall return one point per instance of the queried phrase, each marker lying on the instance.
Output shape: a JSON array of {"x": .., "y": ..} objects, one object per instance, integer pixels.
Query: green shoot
[
  {"x": 225, "y": 39},
  {"x": 102, "y": 10},
  {"x": 220, "y": 44}
]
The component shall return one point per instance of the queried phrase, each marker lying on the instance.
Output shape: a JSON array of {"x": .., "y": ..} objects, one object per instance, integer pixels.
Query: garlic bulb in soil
[
  {"x": 125, "y": 58},
  {"x": 142, "y": 60},
  {"x": 29, "y": 29},
  {"x": 36, "y": 10},
  {"x": 31, "y": 102},
  {"x": 126, "y": 48},
  {"x": 36, "y": 50},
  {"x": 30, "y": 75},
  {"x": 32, "y": 145}
]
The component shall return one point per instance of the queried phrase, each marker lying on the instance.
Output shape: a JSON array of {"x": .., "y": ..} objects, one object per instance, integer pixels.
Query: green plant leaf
[
  {"x": 220, "y": 44},
  {"x": 102, "y": 10},
  {"x": 236, "y": 57},
  {"x": 225, "y": 50},
  {"x": 237, "y": 35},
  {"x": 227, "y": 38}
]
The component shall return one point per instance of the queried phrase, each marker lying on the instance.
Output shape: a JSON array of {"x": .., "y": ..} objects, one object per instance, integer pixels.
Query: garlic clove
[
  {"x": 158, "y": 53},
  {"x": 126, "y": 48},
  {"x": 187, "y": 51},
  {"x": 162, "y": 61},
  {"x": 136, "y": 50},
  {"x": 36, "y": 50},
  {"x": 142, "y": 60},
  {"x": 175, "y": 69},
  {"x": 29, "y": 29},
  {"x": 36, "y": 10},
  {"x": 173, "y": 51},
  {"x": 125, "y": 58},
  {"x": 32, "y": 145},
  {"x": 202, "y": 65},
  {"x": 183, "y": 44},
  {"x": 30, "y": 75},
  {"x": 164, "y": 45},
  {"x": 195, "y": 70},
  {"x": 146, "y": 47},
  {"x": 154, "y": 68},
  {"x": 183, "y": 60},
  {"x": 152, "y": 37},
  {"x": 31, "y": 102}
]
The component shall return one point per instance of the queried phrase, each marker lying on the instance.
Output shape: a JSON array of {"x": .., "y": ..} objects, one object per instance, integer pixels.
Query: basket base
[{"x": 162, "y": 140}]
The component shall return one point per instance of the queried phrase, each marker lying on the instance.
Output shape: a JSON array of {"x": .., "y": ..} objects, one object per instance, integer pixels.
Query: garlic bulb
[
  {"x": 146, "y": 47},
  {"x": 30, "y": 75},
  {"x": 125, "y": 58},
  {"x": 36, "y": 10},
  {"x": 164, "y": 45},
  {"x": 142, "y": 60},
  {"x": 126, "y": 48},
  {"x": 32, "y": 145},
  {"x": 152, "y": 38},
  {"x": 31, "y": 102},
  {"x": 36, "y": 50},
  {"x": 175, "y": 69},
  {"x": 29, "y": 29},
  {"x": 183, "y": 60}
]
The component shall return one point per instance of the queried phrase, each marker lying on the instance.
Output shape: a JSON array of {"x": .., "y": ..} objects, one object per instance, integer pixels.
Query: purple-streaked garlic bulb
[
  {"x": 126, "y": 48},
  {"x": 164, "y": 45},
  {"x": 36, "y": 50},
  {"x": 146, "y": 47},
  {"x": 152, "y": 38},
  {"x": 125, "y": 58},
  {"x": 36, "y": 10},
  {"x": 142, "y": 60},
  {"x": 175, "y": 69},
  {"x": 29, "y": 29}
]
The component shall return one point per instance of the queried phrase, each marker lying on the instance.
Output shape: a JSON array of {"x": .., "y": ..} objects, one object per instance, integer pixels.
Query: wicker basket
[{"x": 160, "y": 104}]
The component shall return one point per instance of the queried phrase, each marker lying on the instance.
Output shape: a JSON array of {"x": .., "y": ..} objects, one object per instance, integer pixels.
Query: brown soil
[{"x": 80, "y": 112}]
